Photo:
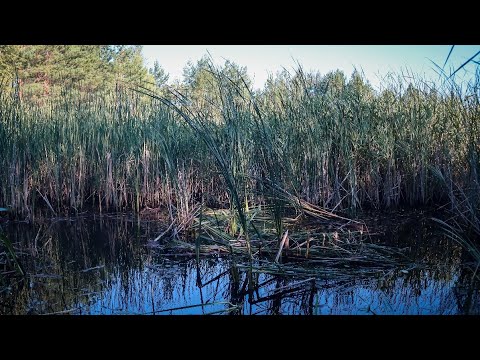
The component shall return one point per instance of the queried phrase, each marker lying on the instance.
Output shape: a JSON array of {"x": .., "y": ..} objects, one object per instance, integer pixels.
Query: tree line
[
  {"x": 42, "y": 70},
  {"x": 36, "y": 71}
]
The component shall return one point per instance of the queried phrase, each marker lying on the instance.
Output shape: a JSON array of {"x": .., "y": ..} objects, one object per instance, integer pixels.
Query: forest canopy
[{"x": 41, "y": 70}]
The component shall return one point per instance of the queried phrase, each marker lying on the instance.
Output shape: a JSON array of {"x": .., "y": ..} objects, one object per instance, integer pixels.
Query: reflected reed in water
[{"x": 103, "y": 265}]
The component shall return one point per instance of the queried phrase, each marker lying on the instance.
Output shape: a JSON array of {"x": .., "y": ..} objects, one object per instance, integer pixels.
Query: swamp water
[{"x": 104, "y": 265}]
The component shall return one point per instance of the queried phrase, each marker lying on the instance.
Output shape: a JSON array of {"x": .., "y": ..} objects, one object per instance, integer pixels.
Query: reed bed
[{"x": 304, "y": 144}]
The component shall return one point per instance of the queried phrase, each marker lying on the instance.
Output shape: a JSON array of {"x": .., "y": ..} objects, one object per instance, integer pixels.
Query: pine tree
[
  {"x": 41, "y": 70},
  {"x": 160, "y": 76}
]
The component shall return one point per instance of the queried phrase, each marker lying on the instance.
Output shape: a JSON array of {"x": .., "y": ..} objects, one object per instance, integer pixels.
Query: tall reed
[{"x": 333, "y": 142}]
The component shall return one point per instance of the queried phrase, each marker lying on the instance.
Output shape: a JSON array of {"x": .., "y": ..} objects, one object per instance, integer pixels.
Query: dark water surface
[{"x": 104, "y": 266}]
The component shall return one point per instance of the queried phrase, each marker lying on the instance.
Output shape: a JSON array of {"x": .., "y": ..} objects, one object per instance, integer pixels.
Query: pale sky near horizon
[{"x": 262, "y": 60}]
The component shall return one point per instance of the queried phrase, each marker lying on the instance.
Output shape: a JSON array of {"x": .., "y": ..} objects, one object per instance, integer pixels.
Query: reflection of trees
[
  {"x": 101, "y": 266},
  {"x": 466, "y": 294},
  {"x": 466, "y": 289},
  {"x": 69, "y": 263}
]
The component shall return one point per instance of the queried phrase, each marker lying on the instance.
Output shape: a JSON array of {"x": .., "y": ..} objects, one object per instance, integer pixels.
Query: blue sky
[{"x": 262, "y": 60}]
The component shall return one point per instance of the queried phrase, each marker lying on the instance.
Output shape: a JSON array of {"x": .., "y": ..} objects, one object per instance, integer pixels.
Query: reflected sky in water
[{"x": 104, "y": 266}]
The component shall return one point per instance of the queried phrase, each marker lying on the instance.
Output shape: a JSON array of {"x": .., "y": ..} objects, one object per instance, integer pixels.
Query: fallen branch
[{"x": 282, "y": 243}]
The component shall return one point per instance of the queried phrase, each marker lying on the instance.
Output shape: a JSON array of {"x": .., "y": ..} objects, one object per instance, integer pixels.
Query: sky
[{"x": 262, "y": 60}]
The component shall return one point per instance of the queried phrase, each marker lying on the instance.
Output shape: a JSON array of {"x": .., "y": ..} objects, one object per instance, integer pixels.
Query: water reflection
[{"x": 103, "y": 266}]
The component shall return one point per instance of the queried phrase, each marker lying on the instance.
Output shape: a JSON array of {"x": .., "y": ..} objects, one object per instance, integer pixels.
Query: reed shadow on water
[{"x": 106, "y": 266}]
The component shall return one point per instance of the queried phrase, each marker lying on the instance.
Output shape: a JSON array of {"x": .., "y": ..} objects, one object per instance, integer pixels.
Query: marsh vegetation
[{"x": 282, "y": 180}]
